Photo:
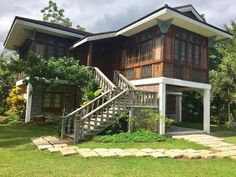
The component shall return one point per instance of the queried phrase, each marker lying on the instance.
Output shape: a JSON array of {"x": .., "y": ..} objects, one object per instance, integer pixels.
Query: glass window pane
[
  {"x": 146, "y": 71},
  {"x": 130, "y": 73},
  {"x": 190, "y": 53},
  {"x": 183, "y": 50},
  {"x": 61, "y": 52},
  {"x": 51, "y": 51},
  {"x": 39, "y": 49},
  {"x": 176, "y": 49},
  {"x": 197, "y": 54}
]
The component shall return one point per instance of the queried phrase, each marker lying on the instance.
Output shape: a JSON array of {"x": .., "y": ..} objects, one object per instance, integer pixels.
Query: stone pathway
[
  {"x": 219, "y": 149},
  {"x": 217, "y": 145}
]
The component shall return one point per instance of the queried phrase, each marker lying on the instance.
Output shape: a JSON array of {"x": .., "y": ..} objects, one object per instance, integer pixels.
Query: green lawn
[
  {"x": 199, "y": 126},
  {"x": 20, "y": 158}
]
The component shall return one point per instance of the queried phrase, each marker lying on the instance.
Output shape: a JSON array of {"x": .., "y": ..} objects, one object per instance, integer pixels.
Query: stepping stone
[
  {"x": 86, "y": 152},
  {"x": 44, "y": 147},
  {"x": 191, "y": 155},
  {"x": 233, "y": 157},
  {"x": 173, "y": 155},
  {"x": 148, "y": 150},
  {"x": 207, "y": 155},
  {"x": 52, "y": 140},
  {"x": 124, "y": 154},
  {"x": 158, "y": 155},
  {"x": 221, "y": 155},
  {"x": 71, "y": 147},
  {"x": 40, "y": 141},
  {"x": 161, "y": 150},
  {"x": 116, "y": 150},
  {"x": 55, "y": 149},
  {"x": 104, "y": 152},
  {"x": 137, "y": 152},
  {"x": 60, "y": 145},
  {"x": 100, "y": 149},
  {"x": 66, "y": 152}
]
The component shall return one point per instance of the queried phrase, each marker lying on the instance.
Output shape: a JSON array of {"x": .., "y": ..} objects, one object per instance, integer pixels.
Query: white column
[
  {"x": 28, "y": 102},
  {"x": 180, "y": 108},
  {"x": 206, "y": 110},
  {"x": 162, "y": 106}
]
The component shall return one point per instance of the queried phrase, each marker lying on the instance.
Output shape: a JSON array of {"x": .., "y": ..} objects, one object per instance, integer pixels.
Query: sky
[{"x": 107, "y": 15}]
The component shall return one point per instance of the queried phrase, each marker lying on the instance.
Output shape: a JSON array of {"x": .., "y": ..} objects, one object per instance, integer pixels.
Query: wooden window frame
[
  {"x": 142, "y": 72},
  {"x": 52, "y": 107}
]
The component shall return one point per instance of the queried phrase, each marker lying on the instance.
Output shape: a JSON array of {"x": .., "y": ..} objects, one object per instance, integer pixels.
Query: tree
[
  {"x": 52, "y": 13},
  {"x": 7, "y": 80},
  {"x": 223, "y": 76}
]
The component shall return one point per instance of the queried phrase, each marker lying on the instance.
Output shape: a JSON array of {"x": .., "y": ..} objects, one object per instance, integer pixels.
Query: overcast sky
[{"x": 106, "y": 15}]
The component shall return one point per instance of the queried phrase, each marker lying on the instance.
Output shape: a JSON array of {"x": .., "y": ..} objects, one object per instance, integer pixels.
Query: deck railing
[{"x": 122, "y": 82}]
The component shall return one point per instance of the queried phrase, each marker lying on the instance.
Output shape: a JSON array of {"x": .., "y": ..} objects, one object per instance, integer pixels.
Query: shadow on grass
[{"x": 19, "y": 134}]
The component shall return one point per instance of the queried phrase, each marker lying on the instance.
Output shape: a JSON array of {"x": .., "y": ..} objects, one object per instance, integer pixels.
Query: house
[{"x": 158, "y": 57}]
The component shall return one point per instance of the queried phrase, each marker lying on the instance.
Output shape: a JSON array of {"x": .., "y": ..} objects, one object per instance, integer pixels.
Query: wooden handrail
[
  {"x": 122, "y": 81},
  {"x": 87, "y": 105},
  {"x": 105, "y": 104},
  {"x": 104, "y": 82}
]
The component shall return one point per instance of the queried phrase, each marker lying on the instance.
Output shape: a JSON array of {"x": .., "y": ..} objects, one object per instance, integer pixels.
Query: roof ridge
[{"x": 56, "y": 24}]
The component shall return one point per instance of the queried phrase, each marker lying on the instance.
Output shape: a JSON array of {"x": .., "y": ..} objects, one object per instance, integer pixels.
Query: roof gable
[{"x": 190, "y": 11}]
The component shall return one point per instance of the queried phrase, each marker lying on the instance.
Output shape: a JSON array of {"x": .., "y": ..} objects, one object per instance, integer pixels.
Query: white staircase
[{"x": 92, "y": 118}]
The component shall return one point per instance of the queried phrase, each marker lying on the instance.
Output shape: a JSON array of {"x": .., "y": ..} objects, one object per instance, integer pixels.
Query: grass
[
  {"x": 20, "y": 158},
  {"x": 199, "y": 126}
]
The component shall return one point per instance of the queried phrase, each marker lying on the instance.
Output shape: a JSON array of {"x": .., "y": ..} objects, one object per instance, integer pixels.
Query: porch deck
[{"x": 182, "y": 131}]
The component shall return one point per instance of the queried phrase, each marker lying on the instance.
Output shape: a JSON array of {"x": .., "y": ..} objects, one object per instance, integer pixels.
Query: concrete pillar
[
  {"x": 206, "y": 110},
  {"x": 162, "y": 106},
  {"x": 28, "y": 102},
  {"x": 130, "y": 123},
  {"x": 180, "y": 107}
]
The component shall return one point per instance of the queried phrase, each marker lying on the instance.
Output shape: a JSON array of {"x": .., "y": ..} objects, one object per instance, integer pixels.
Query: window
[
  {"x": 187, "y": 45},
  {"x": 176, "y": 51},
  {"x": 39, "y": 49},
  {"x": 146, "y": 50},
  {"x": 190, "y": 53},
  {"x": 196, "y": 75},
  {"x": 141, "y": 48},
  {"x": 146, "y": 71},
  {"x": 51, "y": 50},
  {"x": 52, "y": 101},
  {"x": 60, "y": 52},
  {"x": 178, "y": 72},
  {"x": 183, "y": 51},
  {"x": 196, "y": 55},
  {"x": 130, "y": 73}
]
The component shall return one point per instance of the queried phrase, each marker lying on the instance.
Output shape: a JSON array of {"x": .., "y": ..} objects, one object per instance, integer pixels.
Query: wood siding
[{"x": 162, "y": 61}]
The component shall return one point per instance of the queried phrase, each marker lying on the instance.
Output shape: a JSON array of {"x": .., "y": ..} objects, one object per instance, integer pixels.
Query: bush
[
  {"x": 16, "y": 101},
  {"x": 135, "y": 137}
]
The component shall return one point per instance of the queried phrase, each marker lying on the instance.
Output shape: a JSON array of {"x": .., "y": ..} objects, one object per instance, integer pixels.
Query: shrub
[
  {"x": 151, "y": 118},
  {"x": 135, "y": 137},
  {"x": 16, "y": 101}
]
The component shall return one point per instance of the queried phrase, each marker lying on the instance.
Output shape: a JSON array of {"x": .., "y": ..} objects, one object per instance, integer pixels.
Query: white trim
[
  {"x": 183, "y": 17},
  {"x": 48, "y": 28},
  {"x": 171, "y": 81},
  {"x": 153, "y": 16},
  {"x": 190, "y": 8},
  {"x": 174, "y": 93},
  {"x": 21, "y": 82},
  {"x": 206, "y": 110},
  {"x": 162, "y": 107},
  {"x": 28, "y": 103},
  {"x": 93, "y": 38}
]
